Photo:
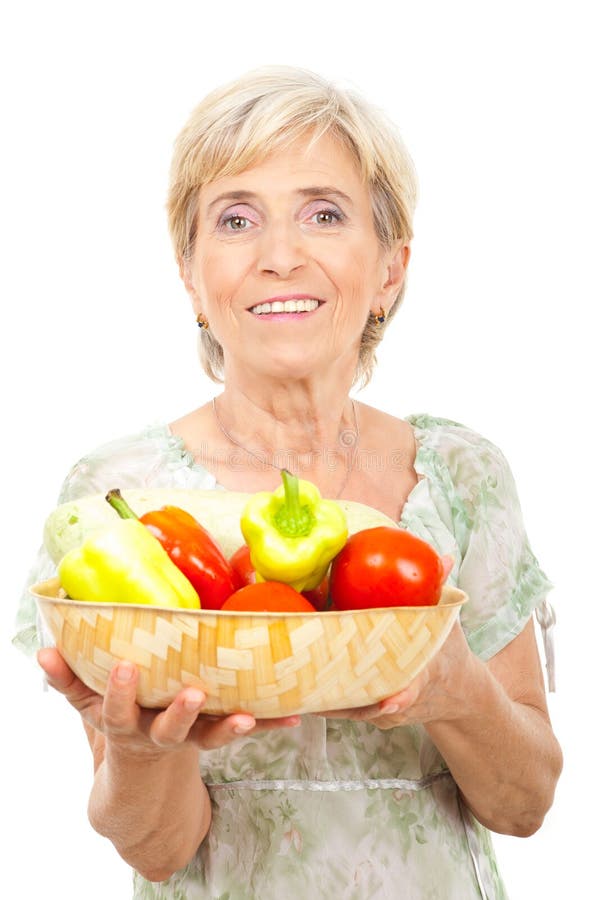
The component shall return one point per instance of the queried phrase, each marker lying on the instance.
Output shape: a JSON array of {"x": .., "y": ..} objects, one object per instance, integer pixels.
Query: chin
[{"x": 294, "y": 363}]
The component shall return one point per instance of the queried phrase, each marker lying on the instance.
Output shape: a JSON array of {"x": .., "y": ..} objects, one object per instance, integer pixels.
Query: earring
[
  {"x": 202, "y": 321},
  {"x": 379, "y": 316}
]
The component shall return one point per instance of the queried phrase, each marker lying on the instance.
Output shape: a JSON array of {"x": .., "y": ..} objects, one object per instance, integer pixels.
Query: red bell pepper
[
  {"x": 190, "y": 547},
  {"x": 244, "y": 571}
]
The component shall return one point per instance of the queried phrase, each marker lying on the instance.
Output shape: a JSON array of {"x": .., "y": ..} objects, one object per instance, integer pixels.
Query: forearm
[
  {"x": 503, "y": 756},
  {"x": 154, "y": 809}
]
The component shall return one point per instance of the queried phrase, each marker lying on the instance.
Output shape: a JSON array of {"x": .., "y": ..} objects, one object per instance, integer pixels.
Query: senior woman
[{"x": 290, "y": 208}]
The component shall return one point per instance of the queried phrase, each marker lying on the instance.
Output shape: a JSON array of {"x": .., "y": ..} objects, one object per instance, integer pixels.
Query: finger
[
  {"x": 172, "y": 726},
  {"x": 60, "y": 677},
  {"x": 358, "y": 714},
  {"x": 393, "y": 705},
  {"x": 120, "y": 712},
  {"x": 399, "y": 702},
  {"x": 448, "y": 564},
  {"x": 372, "y": 715},
  {"x": 283, "y": 722},
  {"x": 210, "y": 734}
]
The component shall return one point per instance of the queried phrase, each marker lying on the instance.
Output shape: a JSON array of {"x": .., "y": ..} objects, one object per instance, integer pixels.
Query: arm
[
  {"x": 500, "y": 747},
  {"x": 148, "y": 797},
  {"x": 155, "y": 811},
  {"x": 489, "y": 720},
  {"x": 149, "y": 801},
  {"x": 490, "y": 723}
]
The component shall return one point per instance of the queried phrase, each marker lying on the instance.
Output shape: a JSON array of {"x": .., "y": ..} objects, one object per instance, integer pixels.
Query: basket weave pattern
[{"x": 268, "y": 664}]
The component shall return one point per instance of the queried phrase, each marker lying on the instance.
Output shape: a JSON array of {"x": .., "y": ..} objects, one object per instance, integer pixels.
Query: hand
[
  {"x": 134, "y": 729},
  {"x": 440, "y": 692}
]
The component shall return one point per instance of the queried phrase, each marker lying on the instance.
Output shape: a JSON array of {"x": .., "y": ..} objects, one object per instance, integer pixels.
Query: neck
[
  {"x": 303, "y": 452},
  {"x": 287, "y": 417}
]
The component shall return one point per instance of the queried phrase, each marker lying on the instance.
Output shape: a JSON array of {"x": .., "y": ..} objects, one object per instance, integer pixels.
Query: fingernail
[
  {"x": 389, "y": 709},
  {"x": 243, "y": 727},
  {"x": 194, "y": 700},
  {"x": 125, "y": 672}
]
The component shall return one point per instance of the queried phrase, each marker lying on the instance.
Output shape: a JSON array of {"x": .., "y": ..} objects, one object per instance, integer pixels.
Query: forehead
[{"x": 288, "y": 169}]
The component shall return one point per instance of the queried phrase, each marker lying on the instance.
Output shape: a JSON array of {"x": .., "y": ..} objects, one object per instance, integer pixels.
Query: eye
[
  {"x": 327, "y": 216},
  {"x": 234, "y": 223}
]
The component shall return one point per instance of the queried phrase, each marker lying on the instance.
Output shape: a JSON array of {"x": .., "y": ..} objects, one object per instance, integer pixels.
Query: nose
[{"x": 280, "y": 250}]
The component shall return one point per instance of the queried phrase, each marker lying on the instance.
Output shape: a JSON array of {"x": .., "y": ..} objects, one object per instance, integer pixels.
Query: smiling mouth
[{"x": 286, "y": 306}]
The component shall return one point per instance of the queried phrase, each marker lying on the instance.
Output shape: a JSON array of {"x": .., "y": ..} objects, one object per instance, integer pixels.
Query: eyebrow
[{"x": 302, "y": 192}]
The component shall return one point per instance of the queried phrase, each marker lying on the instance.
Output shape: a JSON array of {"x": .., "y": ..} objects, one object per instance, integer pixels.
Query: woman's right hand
[{"x": 128, "y": 726}]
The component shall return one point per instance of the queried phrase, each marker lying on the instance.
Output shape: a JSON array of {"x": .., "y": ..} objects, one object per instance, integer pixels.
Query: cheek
[
  {"x": 356, "y": 282},
  {"x": 353, "y": 263},
  {"x": 218, "y": 278}
]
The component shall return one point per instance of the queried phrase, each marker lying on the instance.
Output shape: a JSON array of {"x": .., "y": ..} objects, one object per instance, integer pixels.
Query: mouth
[{"x": 282, "y": 308}]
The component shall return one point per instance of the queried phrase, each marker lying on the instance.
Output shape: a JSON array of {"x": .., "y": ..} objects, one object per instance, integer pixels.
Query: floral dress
[{"x": 335, "y": 808}]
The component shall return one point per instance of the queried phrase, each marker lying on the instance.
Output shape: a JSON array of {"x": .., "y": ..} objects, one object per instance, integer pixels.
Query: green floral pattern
[{"x": 338, "y": 808}]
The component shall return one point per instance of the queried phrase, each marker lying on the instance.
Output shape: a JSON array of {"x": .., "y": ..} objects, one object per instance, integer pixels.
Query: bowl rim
[{"x": 41, "y": 591}]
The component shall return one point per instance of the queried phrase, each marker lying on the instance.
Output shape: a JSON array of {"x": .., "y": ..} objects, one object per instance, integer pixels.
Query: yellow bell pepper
[
  {"x": 124, "y": 563},
  {"x": 292, "y": 533}
]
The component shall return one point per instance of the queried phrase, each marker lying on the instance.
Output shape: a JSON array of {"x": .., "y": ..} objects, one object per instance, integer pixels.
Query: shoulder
[
  {"x": 467, "y": 454},
  {"x": 467, "y": 469},
  {"x": 473, "y": 488},
  {"x": 448, "y": 435},
  {"x": 140, "y": 459}
]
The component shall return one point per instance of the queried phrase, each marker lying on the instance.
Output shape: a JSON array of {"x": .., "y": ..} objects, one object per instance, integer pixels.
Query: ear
[
  {"x": 395, "y": 265},
  {"x": 185, "y": 274}
]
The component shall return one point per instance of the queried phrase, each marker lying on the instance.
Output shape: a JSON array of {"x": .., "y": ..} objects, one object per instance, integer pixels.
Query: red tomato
[
  {"x": 268, "y": 596},
  {"x": 241, "y": 564},
  {"x": 244, "y": 574},
  {"x": 385, "y": 567},
  {"x": 318, "y": 596}
]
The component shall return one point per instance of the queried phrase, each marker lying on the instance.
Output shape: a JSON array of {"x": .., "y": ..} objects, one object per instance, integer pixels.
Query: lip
[{"x": 286, "y": 317}]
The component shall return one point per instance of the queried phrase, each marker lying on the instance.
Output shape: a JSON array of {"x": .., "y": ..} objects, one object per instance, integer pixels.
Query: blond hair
[{"x": 237, "y": 125}]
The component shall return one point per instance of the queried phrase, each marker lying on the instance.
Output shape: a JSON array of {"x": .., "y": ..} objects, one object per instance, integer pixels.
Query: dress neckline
[{"x": 419, "y": 465}]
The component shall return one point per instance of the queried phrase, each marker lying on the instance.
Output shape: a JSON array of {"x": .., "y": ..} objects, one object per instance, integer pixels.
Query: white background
[{"x": 499, "y": 105}]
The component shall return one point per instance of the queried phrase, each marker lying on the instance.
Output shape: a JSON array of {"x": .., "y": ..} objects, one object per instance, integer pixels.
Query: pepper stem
[
  {"x": 291, "y": 492},
  {"x": 293, "y": 519},
  {"x": 117, "y": 502}
]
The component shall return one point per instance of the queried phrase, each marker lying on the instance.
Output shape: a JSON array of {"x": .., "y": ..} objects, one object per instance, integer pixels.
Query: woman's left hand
[{"x": 440, "y": 692}]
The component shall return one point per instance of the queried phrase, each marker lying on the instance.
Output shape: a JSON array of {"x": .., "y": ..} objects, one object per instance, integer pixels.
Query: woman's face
[{"x": 298, "y": 225}]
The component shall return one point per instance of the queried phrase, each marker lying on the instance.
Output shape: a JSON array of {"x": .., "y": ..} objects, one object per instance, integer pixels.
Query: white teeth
[{"x": 288, "y": 306}]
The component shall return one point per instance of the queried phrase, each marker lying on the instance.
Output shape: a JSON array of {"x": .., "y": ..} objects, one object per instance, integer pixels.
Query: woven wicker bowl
[{"x": 267, "y": 664}]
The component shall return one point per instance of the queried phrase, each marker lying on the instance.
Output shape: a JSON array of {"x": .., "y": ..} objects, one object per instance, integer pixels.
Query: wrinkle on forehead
[{"x": 312, "y": 161}]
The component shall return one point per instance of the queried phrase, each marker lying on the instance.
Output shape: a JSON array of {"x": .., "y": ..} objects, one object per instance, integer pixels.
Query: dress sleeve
[
  {"x": 30, "y": 634},
  {"x": 466, "y": 504},
  {"x": 498, "y": 571},
  {"x": 152, "y": 458}
]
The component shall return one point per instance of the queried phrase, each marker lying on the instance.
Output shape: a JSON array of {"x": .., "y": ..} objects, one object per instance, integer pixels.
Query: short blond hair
[{"x": 237, "y": 125}]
